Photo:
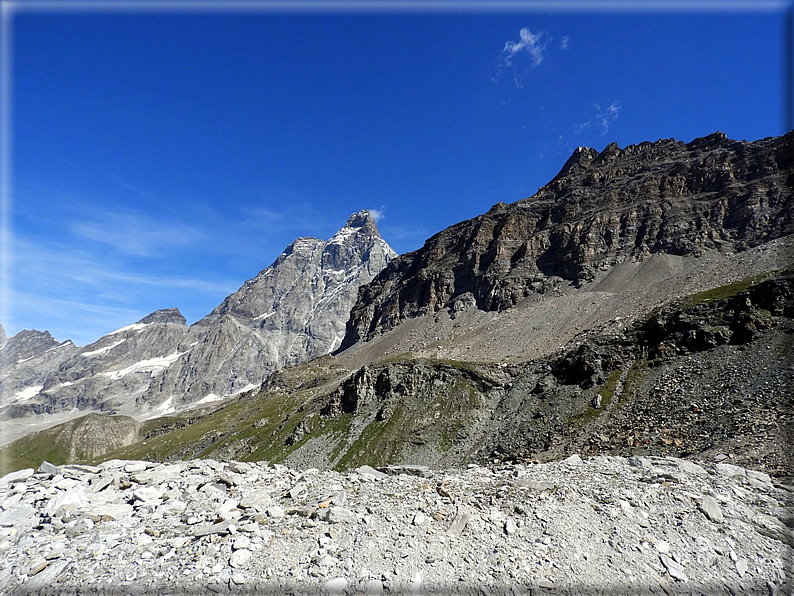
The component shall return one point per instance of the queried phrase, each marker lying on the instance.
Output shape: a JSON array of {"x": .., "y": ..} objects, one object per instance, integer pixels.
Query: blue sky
[{"x": 161, "y": 159}]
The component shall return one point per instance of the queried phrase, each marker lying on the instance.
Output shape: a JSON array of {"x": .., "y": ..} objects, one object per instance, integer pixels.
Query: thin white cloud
[
  {"x": 600, "y": 120},
  {"x": 91, "y": 318},
  {"x": 123, "y": 263},
  {"x": 579, "y": 128},
  {"x": 58, "y": 286},
  {"x": 531, "y": 44},
  {"x": 263, "y": 216},
  {"x": 139, "y": 191},
  {"x": 608, "y": 115},
  {"x": 294, "y": 217},
  {"x": 61, "y": 264},
  {"x": 565, "y": 42},
  {"x": 133, "y": 233}
]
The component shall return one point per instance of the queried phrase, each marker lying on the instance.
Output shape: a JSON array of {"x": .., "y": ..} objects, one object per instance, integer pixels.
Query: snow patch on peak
[
  {"x": 153, "y": 366},
  {"x": 389, "y": 250},
  {"x": 66, "y": 343},
  {"x": 103, "y": 350},
  {"x": 209, "y": 398},
  {"x": 28, "y": 393},
  {"x": 243, "y": 389},
  {"x": 212, "y": 397},
  {"x": 342, "y": 235},
  {"x": 163, "y": 409},
  {"x": 134, "y": 327}
]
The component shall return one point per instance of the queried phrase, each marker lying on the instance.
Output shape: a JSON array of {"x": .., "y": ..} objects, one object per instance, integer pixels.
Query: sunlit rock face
[
  {"x": 291, "y": 312},
  {"x": 105, "y": 375}
]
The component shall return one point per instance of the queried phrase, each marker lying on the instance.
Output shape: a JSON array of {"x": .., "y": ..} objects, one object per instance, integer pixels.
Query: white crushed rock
[{"x": 646, "y": 525}]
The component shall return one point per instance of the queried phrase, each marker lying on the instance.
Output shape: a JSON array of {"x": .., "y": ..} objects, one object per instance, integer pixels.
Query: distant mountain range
[
  {"x": 292, "y": 311},
  {"x": 641, "y": 302}
]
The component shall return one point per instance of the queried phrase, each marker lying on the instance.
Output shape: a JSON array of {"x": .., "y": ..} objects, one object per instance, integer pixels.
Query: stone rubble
[{"x": 609, "y": 525}]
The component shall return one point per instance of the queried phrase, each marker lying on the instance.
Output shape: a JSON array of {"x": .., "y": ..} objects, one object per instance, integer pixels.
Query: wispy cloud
[
  {"x": 565, "y": 42},
  {"x": 293, "y": 217},
  {"x": 122, "y": 263},
  {"x": 600, "y": 120},
  {"x": 133, "y": 188},
  {"x": 522, "y": 55},
  {"x": 134, "y": 233},
  {"x": 57, "y": 287},
  {"x": 604, "y": 117},
  {"x": 56, "y": 263},
  {"x": 81, "y": 321},
  {"x": 531, "y": 44}
]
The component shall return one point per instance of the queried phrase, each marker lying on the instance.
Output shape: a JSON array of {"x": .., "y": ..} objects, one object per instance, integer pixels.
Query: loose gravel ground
[{"x": 610, "y": 525}]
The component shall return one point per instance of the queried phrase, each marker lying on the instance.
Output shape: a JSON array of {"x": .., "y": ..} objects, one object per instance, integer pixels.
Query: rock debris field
[{"x": 610, "y": 525}]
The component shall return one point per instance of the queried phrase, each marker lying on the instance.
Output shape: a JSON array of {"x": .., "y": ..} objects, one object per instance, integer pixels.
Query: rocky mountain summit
[
  {"x": 601, "y": 525},
  {"x": 604, "y": 208},
  {"x": 292, "y": 311},
  {"x": 26, "y": 359},
  {"x": 26, "y": 345}
]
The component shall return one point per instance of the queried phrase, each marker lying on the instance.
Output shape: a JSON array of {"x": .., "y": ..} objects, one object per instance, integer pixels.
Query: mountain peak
[
  {"x": 164, "y": 315},
  {"x": 579, "y": 160},
  {"x": 361, "y": 219},
  {"x": 359, "y": 224},
  {"x": 35, "y": 334},
  {"x": 711, "y": 141}
]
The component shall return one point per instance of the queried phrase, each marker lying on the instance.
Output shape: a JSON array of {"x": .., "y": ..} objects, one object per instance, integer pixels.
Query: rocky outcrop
[
  {"x": 712, "y": 194},
  {"x": 94, "y": 435},
  {"x": 582, "y": 526},
  {"x": 709, "y": 375},
  {"x": 26, "y": 344},
  {"x": 293, "y": 311},
  {"x": 81, "y": 439},
  {"x": 27, "y": 360}
]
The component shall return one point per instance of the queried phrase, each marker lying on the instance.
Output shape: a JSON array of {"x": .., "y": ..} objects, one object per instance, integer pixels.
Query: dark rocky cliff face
[{"x": 602, "y": 209}]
